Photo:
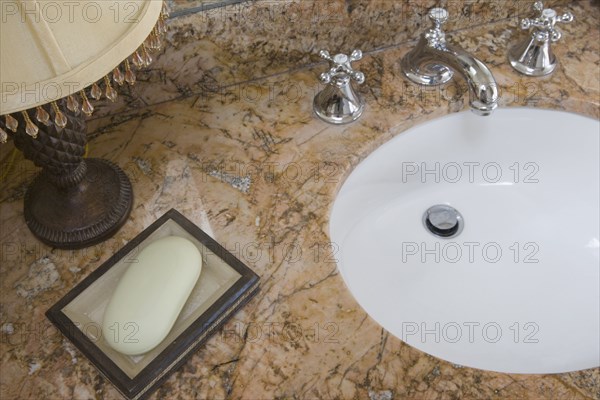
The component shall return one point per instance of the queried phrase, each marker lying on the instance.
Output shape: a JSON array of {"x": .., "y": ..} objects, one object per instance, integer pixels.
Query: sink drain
[{"x": 443, "y": 221}]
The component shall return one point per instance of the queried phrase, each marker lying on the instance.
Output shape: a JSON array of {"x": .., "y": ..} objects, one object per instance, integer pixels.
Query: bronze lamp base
[{"x": 74, "y": 202}]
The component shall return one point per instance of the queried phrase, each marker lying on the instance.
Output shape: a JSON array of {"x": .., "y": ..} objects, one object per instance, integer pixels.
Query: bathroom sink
[{"x": 517, "y": 288}]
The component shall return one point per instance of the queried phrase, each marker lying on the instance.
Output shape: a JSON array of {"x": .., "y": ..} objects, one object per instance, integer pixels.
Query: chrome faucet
[
  {"x": 433, "y": 62},
  {"x": 339, "y": 103},
  {"x": 534, "y": 56}
]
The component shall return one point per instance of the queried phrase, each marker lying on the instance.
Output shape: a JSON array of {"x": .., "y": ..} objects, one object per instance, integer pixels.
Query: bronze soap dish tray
[{"x": 225, "y": 285}]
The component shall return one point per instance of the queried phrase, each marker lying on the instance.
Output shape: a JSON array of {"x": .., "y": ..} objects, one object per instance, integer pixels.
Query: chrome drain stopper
[{"x": 443, "y": 221}]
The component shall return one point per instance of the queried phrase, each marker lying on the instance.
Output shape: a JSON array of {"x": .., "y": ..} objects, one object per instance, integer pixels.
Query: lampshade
[
  {"x": 52, "y": 49},
  {"x": 60, "y": 52}
]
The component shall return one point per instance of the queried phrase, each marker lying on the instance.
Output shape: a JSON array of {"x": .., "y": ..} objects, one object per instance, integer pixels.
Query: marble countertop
[{"x": 253, "y": 167}]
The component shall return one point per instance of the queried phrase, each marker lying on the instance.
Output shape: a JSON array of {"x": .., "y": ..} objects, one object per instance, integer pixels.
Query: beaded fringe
[{"x": 123, "y": 73}]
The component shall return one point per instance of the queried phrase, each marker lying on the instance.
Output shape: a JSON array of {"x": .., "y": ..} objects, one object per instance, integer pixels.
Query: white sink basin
[{"x": 518, "y": 290}]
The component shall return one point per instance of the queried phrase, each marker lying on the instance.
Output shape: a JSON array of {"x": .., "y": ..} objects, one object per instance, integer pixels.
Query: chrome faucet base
[
  {"x": 532, "y": 58},
  {"x": 336, "y": 106},
  {"x": 428, "y": 74}
]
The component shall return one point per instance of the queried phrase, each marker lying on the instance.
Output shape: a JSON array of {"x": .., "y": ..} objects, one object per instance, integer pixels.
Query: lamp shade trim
[{"x": 76, "y": 98}]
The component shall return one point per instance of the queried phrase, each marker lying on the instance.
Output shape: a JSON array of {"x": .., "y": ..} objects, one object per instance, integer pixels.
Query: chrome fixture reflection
[
  {"x": 534, "y": 56},
  {"x": 433, "y": 62},
  {"x": 338, "y": 103}
]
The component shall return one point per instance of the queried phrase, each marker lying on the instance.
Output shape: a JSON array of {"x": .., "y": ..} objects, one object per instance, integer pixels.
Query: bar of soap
[{"x": 151, "y": 294}]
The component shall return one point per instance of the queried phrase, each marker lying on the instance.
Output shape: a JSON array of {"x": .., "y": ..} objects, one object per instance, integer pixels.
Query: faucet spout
[{"x": 433, "y": 62}]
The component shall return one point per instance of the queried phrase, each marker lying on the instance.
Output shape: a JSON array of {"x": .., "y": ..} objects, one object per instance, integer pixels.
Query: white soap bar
[{"x": 151, "y": 294}]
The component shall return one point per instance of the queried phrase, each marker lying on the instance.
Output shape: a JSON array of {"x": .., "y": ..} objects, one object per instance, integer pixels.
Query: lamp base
[
  {"x": 74, "y": 202},
  {"x": 81, "y": 215}
]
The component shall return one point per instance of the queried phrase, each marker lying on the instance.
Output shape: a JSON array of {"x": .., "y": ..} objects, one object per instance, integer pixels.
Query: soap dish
[{"x": 225, "y": 285}]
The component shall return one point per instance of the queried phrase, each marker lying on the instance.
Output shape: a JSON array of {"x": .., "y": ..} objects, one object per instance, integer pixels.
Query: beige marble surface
[
  {"x": 206, "y": 52},
  {"x": 303, "y": 335}
]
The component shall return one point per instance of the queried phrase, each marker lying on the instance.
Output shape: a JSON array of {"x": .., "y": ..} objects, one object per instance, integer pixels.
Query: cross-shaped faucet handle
[
  {"x": 342, "y": 67},
  {"x": 546, "y": 22}
]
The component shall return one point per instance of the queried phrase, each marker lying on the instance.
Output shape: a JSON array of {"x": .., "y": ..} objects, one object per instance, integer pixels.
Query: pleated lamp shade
[{"x": 54, "y": 49}]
